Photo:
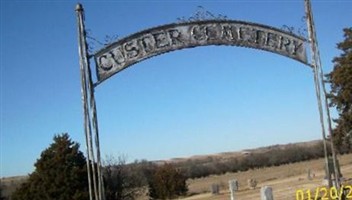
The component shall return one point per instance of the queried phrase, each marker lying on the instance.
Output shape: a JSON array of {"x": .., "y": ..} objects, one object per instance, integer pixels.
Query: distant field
[
  {"x": 10, "y": 184},
  {"x": 284, "y": 180}
]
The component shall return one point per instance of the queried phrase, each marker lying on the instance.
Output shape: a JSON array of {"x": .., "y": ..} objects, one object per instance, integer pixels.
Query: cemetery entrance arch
[{"x": 155, "y": 41}]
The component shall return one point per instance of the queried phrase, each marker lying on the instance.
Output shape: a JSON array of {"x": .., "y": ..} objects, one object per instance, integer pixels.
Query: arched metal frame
[
  {"x": 162, "y": 39},
  {"x": 155, "y": 41}
]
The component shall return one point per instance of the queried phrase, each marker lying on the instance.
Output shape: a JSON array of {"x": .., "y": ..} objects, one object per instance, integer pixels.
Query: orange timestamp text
[{"x": 325, "y": 193}]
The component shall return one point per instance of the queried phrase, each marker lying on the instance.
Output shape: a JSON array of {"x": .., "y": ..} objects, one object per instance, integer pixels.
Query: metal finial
[{"x": 79, "y": 7}]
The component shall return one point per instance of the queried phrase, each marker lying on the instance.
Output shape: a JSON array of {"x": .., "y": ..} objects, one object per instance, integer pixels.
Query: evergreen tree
[
  {"x": 60, "y": 174},
  {"x": 1, "y": 197},
  {"x": 341, "y": 93}
]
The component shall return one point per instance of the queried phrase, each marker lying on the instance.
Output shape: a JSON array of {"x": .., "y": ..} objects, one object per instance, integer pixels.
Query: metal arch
[
  {"x": 162, "y": 39},
  {"x": 155, "y": 41}
]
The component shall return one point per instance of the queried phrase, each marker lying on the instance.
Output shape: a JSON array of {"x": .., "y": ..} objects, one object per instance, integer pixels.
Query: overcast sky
[{"x": 194, "y": 101}]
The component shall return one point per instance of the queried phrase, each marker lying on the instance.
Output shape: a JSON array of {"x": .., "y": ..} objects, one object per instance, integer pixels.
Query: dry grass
[
  {"x": 284, "y": 180},
  {"x": 10, "y": 184}
]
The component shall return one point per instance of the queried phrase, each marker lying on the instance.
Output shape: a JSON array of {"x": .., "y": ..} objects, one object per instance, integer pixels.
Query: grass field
[
  {"x": 284, "y": 180},
  {"x": 10, "y": 184}
]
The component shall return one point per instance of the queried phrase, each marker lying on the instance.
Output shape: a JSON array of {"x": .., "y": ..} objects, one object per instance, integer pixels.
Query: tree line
[
  {"x": 61, "y": 172},
  {"x": 197, "y": 168}
]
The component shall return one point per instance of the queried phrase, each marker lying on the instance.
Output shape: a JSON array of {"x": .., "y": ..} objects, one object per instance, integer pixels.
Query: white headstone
[
  {"x": 266, "y": 193},
  {"x": 233, "y": 185},
  {"x": 309, "y": 175}
]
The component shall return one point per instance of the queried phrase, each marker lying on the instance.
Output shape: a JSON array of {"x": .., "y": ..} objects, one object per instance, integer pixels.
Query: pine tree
[
  {"x": 1, "y": 197},
  {"x": 60, "y": 174},
  {"x": 341, "y": 93}
]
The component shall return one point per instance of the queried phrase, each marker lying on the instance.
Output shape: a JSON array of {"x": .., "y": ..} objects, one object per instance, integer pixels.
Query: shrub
[{"x": 167, "y": 182}]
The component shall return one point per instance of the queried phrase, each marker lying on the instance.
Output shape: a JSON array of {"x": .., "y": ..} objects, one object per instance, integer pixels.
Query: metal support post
[
  {"x": 89, "y": 114},
  {"x": 317, "y": 81}
]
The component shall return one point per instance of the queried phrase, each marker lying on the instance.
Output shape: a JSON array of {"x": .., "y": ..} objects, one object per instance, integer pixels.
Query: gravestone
[
  {"x": 309, "y": 174},
  {"x": 233, "y": 185},
  {"x": 215, "y": 189},
  {"x": 252, "y": 183},
  {"x": 266, "y": 193}
]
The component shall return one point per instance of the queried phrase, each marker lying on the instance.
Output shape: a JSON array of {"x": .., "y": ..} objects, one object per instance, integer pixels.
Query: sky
[{"x": 195, "y": 101}]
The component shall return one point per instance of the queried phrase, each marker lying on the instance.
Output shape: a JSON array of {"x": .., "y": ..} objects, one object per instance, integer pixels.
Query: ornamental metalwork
[
  {"x": 202, "y": 14},
  {"x": 143, "y": 45}
]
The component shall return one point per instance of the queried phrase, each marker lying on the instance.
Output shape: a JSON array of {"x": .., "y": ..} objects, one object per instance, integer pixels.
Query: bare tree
[{"x": 122, "y": 181}]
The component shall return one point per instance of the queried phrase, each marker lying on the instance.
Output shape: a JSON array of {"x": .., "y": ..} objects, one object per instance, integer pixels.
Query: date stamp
[{"x": 325, "y": 193}]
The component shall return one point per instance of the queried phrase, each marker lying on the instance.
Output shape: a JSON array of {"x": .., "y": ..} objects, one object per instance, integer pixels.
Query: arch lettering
[{"x": 155, "y": 41}]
